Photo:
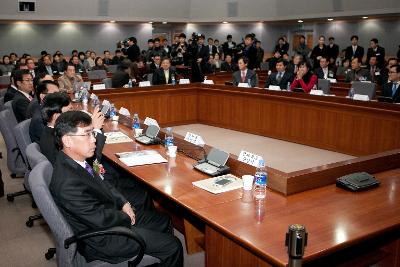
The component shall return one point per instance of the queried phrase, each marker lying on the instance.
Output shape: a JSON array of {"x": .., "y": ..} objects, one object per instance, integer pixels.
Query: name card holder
[
  {"x": 149, "y": 121},
  {"x": 316, "y": 92},
  {"x": 244, "y": 85},
  {"x": 361, "y": 97},
  {"x": 144, "y": 84},
  {"x": 194, "y": 139},
  {"x": 100, "y": 86},
  {"x": 249, "y": 158},
  {"x": 274, "y": 88},
  {"x": 184, "y": 81},
  {"x": 208, "y": 82}
]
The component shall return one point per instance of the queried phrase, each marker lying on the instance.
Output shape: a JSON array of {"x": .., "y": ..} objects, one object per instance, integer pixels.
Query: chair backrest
[
  {"x": 39, "y": 180},
  {"x": 112, "y": 68},
  {"x": 324, "y": 85},
  {"x": 107, "y": 82},
  {"x": 8, "y": 105},
  {"x": 5, "y": 80},
  {"x": 97, "y": 74},
  {"x": 15, "y": 162},
  {"x": 364, "y": 88},
  {"x": 21, "y": 131},
  {"x": 2, "y": 107},
  {"x": 34, "y": 155}
]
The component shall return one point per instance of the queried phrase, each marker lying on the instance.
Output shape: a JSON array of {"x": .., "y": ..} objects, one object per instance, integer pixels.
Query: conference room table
[{"x": 348, "y": 228}]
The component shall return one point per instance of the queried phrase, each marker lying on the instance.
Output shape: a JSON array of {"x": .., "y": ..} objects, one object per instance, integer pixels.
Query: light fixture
[
  {"x": 300, "y": 21},
  {"x": 224, "y": 22},
  {"x": 112, "y": 21},
  {"x": 164, "y": 22},
  {"x": 330, "y": 19},
  {"x": 365, "y": 17},
  {"x": 150, "y": 22}
]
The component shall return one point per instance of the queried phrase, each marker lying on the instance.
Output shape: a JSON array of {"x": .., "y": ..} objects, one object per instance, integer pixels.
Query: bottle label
[
  {"x": 261, "y": 179},
  {"x": 169, "y": 141}
]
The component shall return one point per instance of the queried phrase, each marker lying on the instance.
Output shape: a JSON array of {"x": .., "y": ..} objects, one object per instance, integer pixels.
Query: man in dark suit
[
  {"x": 280, "y": 78},
  {"x": 354, "y": 50},
  {"x": 155, "y": 64},
  {"x": 228, "y": 65},
  {"x": 212, "y": 49},
  {"x": 46, "y": 67},
  {"x": 43, "y": 88},
  {"x": 133, "y": 50},
  {"x": 377, "y": 51},
  {"x": 374, "y": 70},
  {"x": 229, "y": 46},
  {"x": 165, "y": 74},
  {"x": 333, "y": 50},
  {"x": 12, "y": 88},
  {"x": 22, "y": 97},
  {"x": 121, "y": 76},
  {"x": 357, "y": 73},
  {"x": 244, "y": 75},
  {"x": 325, "y": 71},
  {"x": 88, "y": 202},
  {"x": 250, "y": 51},
  {"x": 391, "y": 89},
  {"x": 200, "y": 55}
]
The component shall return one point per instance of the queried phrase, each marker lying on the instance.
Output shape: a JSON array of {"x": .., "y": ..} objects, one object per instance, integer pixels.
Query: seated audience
[
  {"x": 31, "y": 67},
  {"x": 293, "y": 66},
  {"x": 81, "y": 57},
  {"x": 217, "y": 62},
  {"x": 325, "y": 71},
  {"x": 77, "y": 64},
  {"x": 59, "y": 64},
  {"x": 67, "y": 81},
  {"x": 6, "y": 67},
  {"x": 357, "y": 73},
  {"x": 47, "y": 67},
  {"x": 164, "y": 74},
  {"x": 354, "y": 50},
  {"x": 107, "y": 59},
  {"x": 385, "y": 72},
  {"x": 344, "y": 68},
  {"x": 244, "y": 75},
  {"x": 23, "y": 96},
  {"x": 139, "y": 70},
  {"x": 99, "y": 64},
  {"x": 391, "y": 88},
  {"x": 12, "y": 88},
  {"x": 273, "y": 60},
  {"x": 228, "y": 65},
  {"x": 43, "y": 85},
  {"x": 121, "y": 76},
  {"x": 118, "y": 57},
  {"x": 304, "y": 79},
  {"x": 89, "y": 62},
  {"x": 374, "y": 70},
  {"x": 13, "y": 58},
  {"x": 210, "y": 67},
  {"x": 99, "y": 204},
  {"x": 280, "y": 78}
]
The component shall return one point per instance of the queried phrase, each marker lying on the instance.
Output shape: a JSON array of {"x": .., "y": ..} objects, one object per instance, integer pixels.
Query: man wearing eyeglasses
[
  {"x": 88, "y": 202},
  {"x": 392, "y": 88},
  {"x": 24, "y": 82}
]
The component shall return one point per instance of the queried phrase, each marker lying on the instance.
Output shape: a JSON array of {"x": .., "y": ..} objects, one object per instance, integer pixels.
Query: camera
[
  {"x": 122, "y": 44},
  {"x": 196, "y": 36}
]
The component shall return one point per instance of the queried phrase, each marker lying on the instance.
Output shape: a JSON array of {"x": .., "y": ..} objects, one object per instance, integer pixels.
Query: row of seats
[{"x": 24, "y": 157}]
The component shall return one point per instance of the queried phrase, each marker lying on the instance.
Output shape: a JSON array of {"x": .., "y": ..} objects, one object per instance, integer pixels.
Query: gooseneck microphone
[{"x": 296, "y": 241}]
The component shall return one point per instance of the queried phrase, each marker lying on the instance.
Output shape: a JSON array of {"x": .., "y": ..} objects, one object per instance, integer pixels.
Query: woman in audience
[
  {"x": 89, "y": 62},
  {"x": 217, "y": 62},
  {"x": 81, "y": 57},
  {"x": 99, "y": 64},
  {"x": 139, "y": 70},
  {"x": 319, "y": 51},
  {"x": 342, "y": 70},
  {"x": 6, "y": 68},
  {"x": 59, "y": 64},
  {"x": 305, "y": 79}
]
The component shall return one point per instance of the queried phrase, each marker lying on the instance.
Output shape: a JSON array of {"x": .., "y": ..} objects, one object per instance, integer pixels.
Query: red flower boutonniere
[{"x": 98, "y": 168}]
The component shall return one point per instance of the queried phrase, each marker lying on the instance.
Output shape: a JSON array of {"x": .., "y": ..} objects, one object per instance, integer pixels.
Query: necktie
[
  {"x": 243, "y": 76},
  {"x": 166, "y": 73},
  {"x": 89, "y": 169},
  {"x": 394, "y": 89},
  {"x": 279, "y": 78},
  {"x": 354, "y": 50}
]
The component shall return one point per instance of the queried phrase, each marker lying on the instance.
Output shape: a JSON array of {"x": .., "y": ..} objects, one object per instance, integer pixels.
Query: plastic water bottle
[
  {"x": 84, "y": 96},
  {"x": 351, "y": 93},
  {"x": 288, "y": 86},
  {"x": 249, "y": 83},
  {"x": 205, "y": 78},
  {"x": 130, "y": 83},
  {"x": 136, "y": 121},
  {"x": 112, "y": 111},
  {"x": 169, "y": 138},
  {"x": 260, "y": 183},
  {"x": 173, "y": 81}
]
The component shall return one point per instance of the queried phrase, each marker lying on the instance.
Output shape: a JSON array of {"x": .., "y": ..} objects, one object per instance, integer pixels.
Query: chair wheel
[
  {"x": 49, "y": 255},
  {"x": 29, "y": 223},
  {"x": 10, "y": 198}
]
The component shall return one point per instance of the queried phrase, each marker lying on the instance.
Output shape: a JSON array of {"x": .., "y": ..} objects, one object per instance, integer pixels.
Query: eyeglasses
[
  {"x": 28, "y": 81},
  {"x": 392, "y": 72},
  {"x": 87, "y": 134}
]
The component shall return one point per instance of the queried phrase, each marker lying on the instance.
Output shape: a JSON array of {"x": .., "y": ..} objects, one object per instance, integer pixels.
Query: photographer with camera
[
  {"x": 199, "y": 54},
  {"x": 179, "y": 53},
  {"x": 249, "y": 50},
  {"x": 131, "y": 49}
]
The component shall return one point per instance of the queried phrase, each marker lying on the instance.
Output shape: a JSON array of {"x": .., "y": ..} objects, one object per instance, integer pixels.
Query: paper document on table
[
  {"x": 117, "y": 137},
  {"x": 142, "y": 157},
  {"x": 220, "y": 184}
]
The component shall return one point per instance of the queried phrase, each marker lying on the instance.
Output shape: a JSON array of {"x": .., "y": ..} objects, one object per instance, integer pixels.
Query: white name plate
[
  {"x": 249, "y": 158},
  {"x": 208, "y": 82},
  {"x": 361, "y": 97},
  {"x": 100, "y": 86},
  {"x": 274, "y": 88},
  {"x": 244, "y": 85},
  {"x": 149, "y": 121},
  {"x": 316, "y": 92},
  {"x": 194, "y": 139},
  {"x": 144, "y": 84},
  {"x": 184, "y": 81}
]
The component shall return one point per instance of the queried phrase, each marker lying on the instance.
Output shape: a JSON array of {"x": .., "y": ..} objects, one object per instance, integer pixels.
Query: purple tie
[{"x": 89, "y": 169}]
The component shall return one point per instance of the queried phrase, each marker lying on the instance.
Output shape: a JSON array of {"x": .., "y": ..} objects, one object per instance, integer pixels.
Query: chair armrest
[{"x": 118, "y": 230}]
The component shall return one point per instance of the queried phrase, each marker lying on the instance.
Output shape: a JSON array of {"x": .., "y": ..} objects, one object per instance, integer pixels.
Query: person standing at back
[
  {"x": 354, "y": 50},
  {"x": 377, "y": 51},
  {"x": 133, "y": 50}
]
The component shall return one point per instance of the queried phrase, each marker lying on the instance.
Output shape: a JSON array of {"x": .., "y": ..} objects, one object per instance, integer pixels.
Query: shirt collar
[{"x": 25, "y": 94}]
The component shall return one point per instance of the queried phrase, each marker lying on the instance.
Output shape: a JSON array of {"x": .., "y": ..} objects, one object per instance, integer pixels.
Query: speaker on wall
[{"x": 27, "y": 6}]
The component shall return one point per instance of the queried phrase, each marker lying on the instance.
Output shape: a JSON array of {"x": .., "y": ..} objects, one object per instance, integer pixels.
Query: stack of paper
[
  {"x": 212, "y": 185},
  {"x": 142, "y": 157},
  {"x": 117, "y": 137}
]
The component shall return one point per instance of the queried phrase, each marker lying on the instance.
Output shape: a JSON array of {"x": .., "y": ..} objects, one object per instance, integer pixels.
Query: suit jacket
[
  {"x": 380, "y": 56},
  {"x": 10, "y": 93},
  {"x": 352, "y": 75},
  {"x": 133, "y": 52},
  {"x": 33, "y": 107},
  {"x": 87, "y": 202},
  {"x": 377, "y": 75},
  {"x": 287, "y": 78},
  {"x": 333, "y": 52},
  {"x": 387, "y": 91},
  {"x": 20, "y": 106},
  {"x": 251, "y": 53},
  {"x": 229, "y": 67},
  {"x": 153, "y": 67},
  {"x": 159, "y": 76},
  {"x": 317, "y": 52},
  {"x": 213, "y": 49},
  {"x": 250, "y": 74},
  {"x": 331, "y": 73},
  {"x": 199, "y": 71},
  {"x": 42, "y": 69},
  {"x": 119, "y": 79},
  {"x": 349, "y": 52},
  {"x": 36, "y": 127}
]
